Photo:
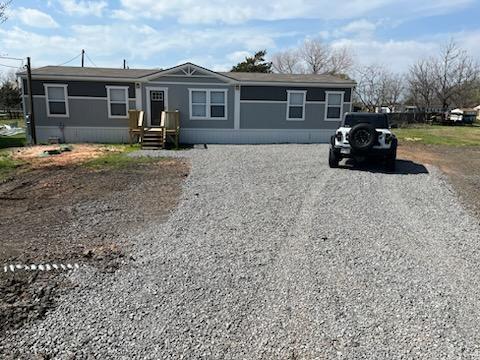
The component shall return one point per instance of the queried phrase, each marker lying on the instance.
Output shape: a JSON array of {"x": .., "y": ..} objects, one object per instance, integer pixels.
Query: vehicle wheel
[
  {"x": 391, "y": 163},
  {"x": 392, "y": 158},
  {"x": 362, "y": 137},
  {"x": 333, "y": 159}
]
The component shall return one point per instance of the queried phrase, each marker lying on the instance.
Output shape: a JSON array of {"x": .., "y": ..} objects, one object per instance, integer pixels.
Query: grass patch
[
  {"x": 7, "y": 164},
  {"x": 20, "y": 122},
  {"x": 116, "y": 157},
  {"x": 440, "y": 135}
]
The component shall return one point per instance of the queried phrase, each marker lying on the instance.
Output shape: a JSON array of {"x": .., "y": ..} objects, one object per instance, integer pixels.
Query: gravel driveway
[{"x": 272, "y": 255}]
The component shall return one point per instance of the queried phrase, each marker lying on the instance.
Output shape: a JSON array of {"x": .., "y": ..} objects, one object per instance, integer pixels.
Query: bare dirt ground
[
  {"x": 460, "y": 164},
  {"x": 62, "y": 212}
]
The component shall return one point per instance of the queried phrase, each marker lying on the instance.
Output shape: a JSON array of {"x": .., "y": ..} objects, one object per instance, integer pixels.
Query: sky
[{"x": 217, "y": 34}]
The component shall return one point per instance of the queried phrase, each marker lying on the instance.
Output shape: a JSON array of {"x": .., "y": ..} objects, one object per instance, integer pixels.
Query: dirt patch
[
  {"x": 67, "y": 214},
  {"x": 460, "y": 164},
  {"x": 79, "y": 154}
]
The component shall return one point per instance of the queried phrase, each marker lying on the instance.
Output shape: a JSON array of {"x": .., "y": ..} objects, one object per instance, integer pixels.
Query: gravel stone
[{"x": 273, "y": 255}]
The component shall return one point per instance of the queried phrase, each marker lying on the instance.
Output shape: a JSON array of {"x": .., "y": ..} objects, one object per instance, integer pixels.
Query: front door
[{"x": 157, "y": 105}]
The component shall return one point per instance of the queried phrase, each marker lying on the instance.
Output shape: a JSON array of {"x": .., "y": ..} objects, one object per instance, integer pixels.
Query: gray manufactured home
[{"x": 91, "y": 104}]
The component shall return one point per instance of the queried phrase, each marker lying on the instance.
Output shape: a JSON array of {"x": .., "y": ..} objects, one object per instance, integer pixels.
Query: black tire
[
  {"x": 333, "y": 159},
  {"x": 392, "y": 158},
  {"x": 362, "y": 137}
]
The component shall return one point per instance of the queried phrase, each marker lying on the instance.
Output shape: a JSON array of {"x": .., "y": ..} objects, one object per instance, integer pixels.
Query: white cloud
[
  {"x": 238, "y": 56},
  {"x": 83, "y": 8},
  {"x": 359, "y": 26},
  {"x": 107, "y": 45},
  {"x": 212, "y": 11},
  {"x": 122, "y": 15},
  {"x": 34, "y": 18}
]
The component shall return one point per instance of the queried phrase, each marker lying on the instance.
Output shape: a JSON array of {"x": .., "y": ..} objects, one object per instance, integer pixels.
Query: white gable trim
[{"x": 189, "y": 69}]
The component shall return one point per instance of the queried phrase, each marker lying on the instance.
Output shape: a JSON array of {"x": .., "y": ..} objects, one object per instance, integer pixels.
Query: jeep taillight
[{"x": 339, "y": 136}]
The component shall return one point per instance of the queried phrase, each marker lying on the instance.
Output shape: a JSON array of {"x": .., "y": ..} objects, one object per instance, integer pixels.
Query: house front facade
[{"x": 91, "y": 104}]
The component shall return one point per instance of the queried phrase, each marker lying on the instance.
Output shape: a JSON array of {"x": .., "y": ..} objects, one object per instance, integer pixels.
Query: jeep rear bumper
[{"x": 347, "y": 152}]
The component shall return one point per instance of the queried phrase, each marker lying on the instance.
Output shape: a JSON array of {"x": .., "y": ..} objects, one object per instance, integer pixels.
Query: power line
[
  {"x": 88, "y": 57},
  {"x": 11, "y": 58},
  {"x": 9, "y": 66},
  {"x": 69, "y": 61}
]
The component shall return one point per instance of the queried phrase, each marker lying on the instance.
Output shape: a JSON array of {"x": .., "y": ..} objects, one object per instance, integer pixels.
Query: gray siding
[
  {"x": 86, "y": 113},
  {"x": 178, "y": 99},
  {"x": 80, "y": 88},
  {"x": 274, "y": 116},
  {"x": 279, "y": 93}
]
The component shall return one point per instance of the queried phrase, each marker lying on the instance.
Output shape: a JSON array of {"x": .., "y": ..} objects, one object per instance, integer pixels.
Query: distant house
[
  {"x": 478, "y": 112},
  {"x": 91, "y": 104}
]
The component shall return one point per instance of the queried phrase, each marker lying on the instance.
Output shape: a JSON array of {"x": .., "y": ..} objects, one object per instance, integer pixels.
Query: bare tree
[
  {"x": 340, "y": 61},
  {"x": 446, "y": 80},
  {"x": 287, "y": 62},
  {"x": 378, "y": 87},
  {"x": 3, "y": 9},
  {"x": 455, "y": 73},
  {"x": 315, "y": 56},
  {"x": 368, "y": 90},
  {"x": 421, "y": 83},
  {"x": 393, "y": 89}
]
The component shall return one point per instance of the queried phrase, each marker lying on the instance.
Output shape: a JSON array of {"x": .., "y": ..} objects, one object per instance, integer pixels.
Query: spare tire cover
[{"x": 362, "y": 137}]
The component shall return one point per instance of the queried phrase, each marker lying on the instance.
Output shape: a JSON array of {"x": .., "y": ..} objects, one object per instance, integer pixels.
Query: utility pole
[
  {"x": 83, "y": 57},
  {"x": 33, "y": 133},
  {"x": 124, "y": 64}
]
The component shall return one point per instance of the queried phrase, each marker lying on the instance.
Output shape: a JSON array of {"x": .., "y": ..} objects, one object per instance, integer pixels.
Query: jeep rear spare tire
[{"x": 362, "y": 137}]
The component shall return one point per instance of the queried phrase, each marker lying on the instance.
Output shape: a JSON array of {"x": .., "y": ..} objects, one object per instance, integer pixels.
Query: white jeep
[{"x": 363, "y": 136}]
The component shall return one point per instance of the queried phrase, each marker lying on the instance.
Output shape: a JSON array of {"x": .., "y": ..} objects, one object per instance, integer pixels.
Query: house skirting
[
  {"x": 254, "y": 136},
  {"x": 77, "y": 134}
]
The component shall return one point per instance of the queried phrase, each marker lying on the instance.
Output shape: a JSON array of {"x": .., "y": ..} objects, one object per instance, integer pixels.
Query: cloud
[
  {"x": 34, "y": 18},
  {"x": 396, "y": 55},
  {"x": 238, "y": 56},
  {"x": 359, "y": 26},
  {"x": 241, "y": 11},
  {"x": 107, "y": 45},
  {"x": 83, "y": 8}
]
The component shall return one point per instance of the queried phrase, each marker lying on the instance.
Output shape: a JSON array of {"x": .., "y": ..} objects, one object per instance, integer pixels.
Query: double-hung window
[
  {"x": 117, "y": 101},
  {"x": 57, "y": 100},
  {"x": 334, "y": 105},
  {"x": 208, "y": 104},
  {"x": 296, "y": 105}
]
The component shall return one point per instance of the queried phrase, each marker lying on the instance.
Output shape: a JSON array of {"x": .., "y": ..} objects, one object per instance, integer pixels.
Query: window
[
  {"x": 208, "y": 104},
  {"x": 117, "y": 101},
  {"x": 334, "y": 106},
  {"x": 57, "y": 100},
  {"x": 296, "y": 105}
]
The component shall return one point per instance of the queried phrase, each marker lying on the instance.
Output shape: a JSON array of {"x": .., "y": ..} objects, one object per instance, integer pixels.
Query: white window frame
[
  {"x": 304, "y": 93},
  {"x": 342, "y": 102},
  {"x": 208, "y": 104},
  {"x": 109, "y": 102},
  {"x": 65, "y": 94}
]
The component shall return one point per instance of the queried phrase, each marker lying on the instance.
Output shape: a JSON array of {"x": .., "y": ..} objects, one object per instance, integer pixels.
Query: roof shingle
[{"x": 86, "y": 72}]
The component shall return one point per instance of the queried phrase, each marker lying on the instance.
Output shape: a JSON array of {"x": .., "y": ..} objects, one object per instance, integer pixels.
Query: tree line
[
  {"x": 447, "y": 79},
  {"x": 10, "y": 94}
]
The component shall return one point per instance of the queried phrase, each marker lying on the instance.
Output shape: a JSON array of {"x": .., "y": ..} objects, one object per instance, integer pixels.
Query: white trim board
[
  {"x": 159, "y": 82},
  {"x": 109, "y": 102},
  {"x": 327, "y": 94},
  {"x": 208, "y": 104},
  {"x": 148, "y": 100},
  {"x": 65, "y": 100},
  {"x": 289, "y": 92}
]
